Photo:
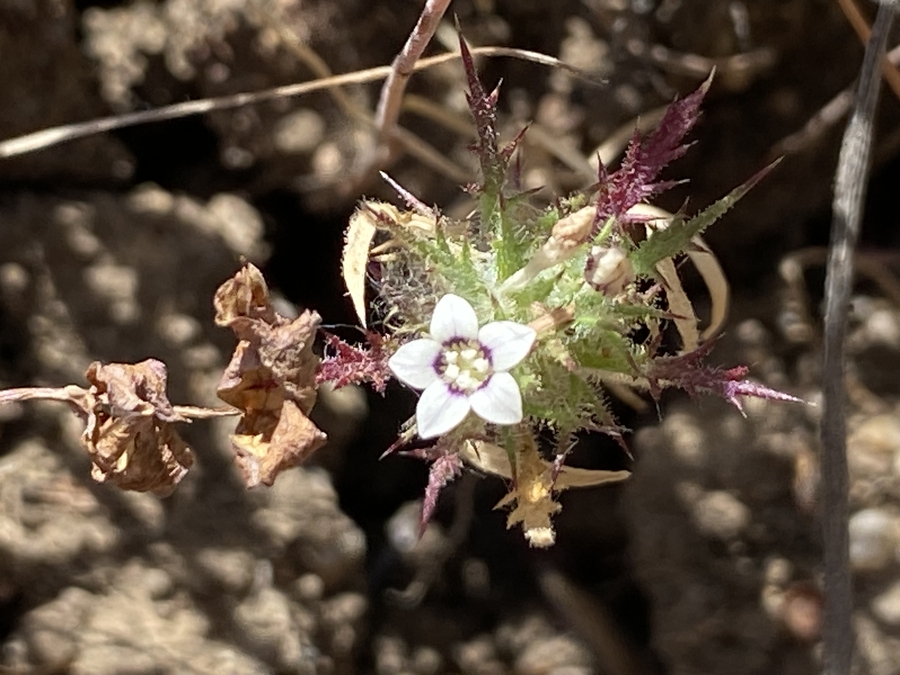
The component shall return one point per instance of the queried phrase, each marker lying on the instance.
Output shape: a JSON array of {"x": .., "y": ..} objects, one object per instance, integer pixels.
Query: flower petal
[
  {"x": 453, "y": 318},
  {"x": 439, "y": 410},
  {"x": 499, "y": 401},
  {"x": 413, "y": 363},
  {"x": 508, "y": 342}
]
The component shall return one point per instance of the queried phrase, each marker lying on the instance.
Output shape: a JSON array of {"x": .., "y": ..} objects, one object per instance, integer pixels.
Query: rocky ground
[{"x": 706, "y": 561}]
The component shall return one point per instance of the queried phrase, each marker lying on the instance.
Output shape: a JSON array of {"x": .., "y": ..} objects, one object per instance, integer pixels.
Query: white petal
[
  {"x": 439, "y": 410},
  {"x": 499, "y": 401},
  {"x": 508, "y": 342},
  {"x": 453, "y": 318},
  {"x": 413, "y": 363}
]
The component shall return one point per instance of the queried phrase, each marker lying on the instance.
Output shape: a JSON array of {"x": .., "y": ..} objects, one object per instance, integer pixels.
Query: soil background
[{"x": 705, "y": 562}]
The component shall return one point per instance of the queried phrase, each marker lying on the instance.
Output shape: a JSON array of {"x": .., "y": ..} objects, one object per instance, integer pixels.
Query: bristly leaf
[
  {"x": 443, "y": 470},
  {"x": 688, "y": 372},
  {"x": 483, "y": 107},
  {"x": 677, "y": 236},
  {"x": 347, "y": 364},
  {"x": 495, "y": 162},
  {"x": 634, "y": 181}
]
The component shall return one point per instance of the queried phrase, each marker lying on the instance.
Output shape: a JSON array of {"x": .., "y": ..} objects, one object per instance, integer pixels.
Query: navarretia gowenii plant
[{"x": 511, "y": 321}]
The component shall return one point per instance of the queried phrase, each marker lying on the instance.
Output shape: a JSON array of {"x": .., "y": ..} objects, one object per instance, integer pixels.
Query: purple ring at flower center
[{"x": 465, "y": 366}]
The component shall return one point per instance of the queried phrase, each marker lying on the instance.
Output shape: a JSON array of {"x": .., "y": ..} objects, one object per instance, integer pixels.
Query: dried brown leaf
[
  {"x": 287, "y": 352},
  {"x": 285, "y": 441},
  {"x": 128, "y": 433},
  {"x": 245, "y": 295},
  {"x": 270, "y": 379}
]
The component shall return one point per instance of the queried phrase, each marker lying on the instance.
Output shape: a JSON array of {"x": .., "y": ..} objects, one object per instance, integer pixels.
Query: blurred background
[{"x": 706, "y": 561}]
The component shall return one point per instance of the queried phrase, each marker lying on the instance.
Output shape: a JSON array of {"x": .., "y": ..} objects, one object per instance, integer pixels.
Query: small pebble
[
  {"x": 721, "y": 515},
  {"x": 873, "y": 537},
  {"x": 887, "y": 605}
]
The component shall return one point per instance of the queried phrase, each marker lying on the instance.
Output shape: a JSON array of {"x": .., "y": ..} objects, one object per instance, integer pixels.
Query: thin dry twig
[
  {"x": 319, "y": 68},
  {"x": 46, "y": 138},
  {"x": 735, "y": 71},
  {"x": 827, "y": 116},
  {"x": 388, "y": 111},
  {"x": 861, "y": 27},
  {"x": 411, "y": 143},
  {"x": 849, "y": 195},
  {"x": 793, "y": 266},
  {"x": 593, "y": 622},
  {"x": 424, "y": 107}
]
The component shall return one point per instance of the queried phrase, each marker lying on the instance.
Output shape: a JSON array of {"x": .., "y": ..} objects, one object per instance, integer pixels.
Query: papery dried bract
[
  {"x": 493, "y": 459},
  {"x": 357, "y": 240},
  {"x": 532, "y": 494},
  {"x": 270, "y": 379},
  {"x": 128, "y": 434},
  {"x": 370, "y": 218}
]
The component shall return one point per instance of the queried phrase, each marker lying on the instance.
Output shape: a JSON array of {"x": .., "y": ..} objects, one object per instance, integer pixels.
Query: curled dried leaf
[
  {"x": 703, "y": 259},
  {"x": 365, "y": 222},
  {"x": 129, "y": 434},
  {"x": 245, "y": 295},
  {"x": 680, "y": 305},
  {"x": 270, "y": 379},
  {"x": 268, "y": 443}
]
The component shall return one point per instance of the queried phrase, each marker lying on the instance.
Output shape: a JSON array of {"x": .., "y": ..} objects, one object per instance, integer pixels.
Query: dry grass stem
[
  {"x": 47, "y": 138},
  {"x": 827, "y": 116},
  {"x": 388, "y": 110},
  {"x": 735, "y": 72},
  {"x": 864, "y": 32}
]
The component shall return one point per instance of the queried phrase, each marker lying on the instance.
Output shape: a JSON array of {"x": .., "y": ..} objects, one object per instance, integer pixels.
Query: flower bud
[{"x": 608, "y": 270}]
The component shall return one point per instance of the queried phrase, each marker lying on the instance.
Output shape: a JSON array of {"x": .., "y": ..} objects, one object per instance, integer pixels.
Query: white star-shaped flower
[{"x": 461, "y": 368}]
